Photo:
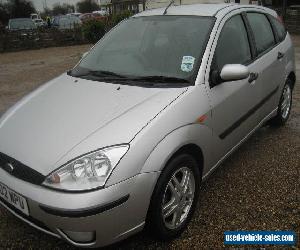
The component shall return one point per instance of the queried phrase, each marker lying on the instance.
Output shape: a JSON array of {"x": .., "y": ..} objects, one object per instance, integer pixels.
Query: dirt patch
[{"x": 21, "y": 72}]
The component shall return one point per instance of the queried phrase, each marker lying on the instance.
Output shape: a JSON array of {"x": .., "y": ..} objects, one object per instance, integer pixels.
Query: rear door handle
[
  {"x": 280, "y": 55},
  {"x": 253, "y": 76}
]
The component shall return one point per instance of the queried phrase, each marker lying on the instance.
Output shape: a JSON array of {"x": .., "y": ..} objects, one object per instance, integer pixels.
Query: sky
[{"x": 39, "y": 4}]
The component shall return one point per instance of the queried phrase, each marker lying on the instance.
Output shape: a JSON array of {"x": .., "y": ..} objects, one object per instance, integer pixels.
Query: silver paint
[{"x": 66, "y": 118}]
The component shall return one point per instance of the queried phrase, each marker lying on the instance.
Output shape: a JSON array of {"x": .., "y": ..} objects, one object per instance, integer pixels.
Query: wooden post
[{"x": 284, "y": 4}]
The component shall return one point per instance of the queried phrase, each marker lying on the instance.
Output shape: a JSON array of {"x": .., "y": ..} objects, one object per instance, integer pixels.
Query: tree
[
  {"x": 46, "y": 12},
  {"x": 62, "y": 9},
  {"x": 15, "y": 9},
  {"x": 86, "y": 6},
  {"x": 20, "y": 8},
  {"x": 4, "y": 13},
  {"x": 93, "y": 30}
]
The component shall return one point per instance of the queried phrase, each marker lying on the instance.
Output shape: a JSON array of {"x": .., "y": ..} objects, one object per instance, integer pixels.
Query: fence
[{"x": 292, "y": 20}]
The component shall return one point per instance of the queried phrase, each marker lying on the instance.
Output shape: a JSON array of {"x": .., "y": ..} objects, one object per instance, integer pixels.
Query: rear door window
[{"x": 262, "y": 30}]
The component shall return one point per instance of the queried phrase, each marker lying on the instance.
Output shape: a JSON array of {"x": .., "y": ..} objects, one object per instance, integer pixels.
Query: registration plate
[{"x": 14, "y": 199}]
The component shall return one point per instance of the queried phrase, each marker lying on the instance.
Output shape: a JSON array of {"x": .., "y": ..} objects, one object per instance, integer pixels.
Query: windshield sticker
[{"x": 187, "y": 63}]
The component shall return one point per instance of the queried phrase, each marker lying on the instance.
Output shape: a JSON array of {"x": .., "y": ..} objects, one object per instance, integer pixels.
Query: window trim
[
  {"x": 250, "y": 37},
  {"x": 277, "y": 40},
  {"x": 214, "y": 37},
  {"x": 194, "y": 76},
  {"x": 257, "y": 55}
]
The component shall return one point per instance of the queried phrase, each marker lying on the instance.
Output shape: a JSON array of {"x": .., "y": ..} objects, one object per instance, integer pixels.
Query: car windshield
[
  {"x": 160, "y": 48},
  {"x": 21, "y": 24}
]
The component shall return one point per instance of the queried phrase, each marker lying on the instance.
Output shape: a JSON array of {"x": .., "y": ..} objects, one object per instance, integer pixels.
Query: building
[
  {"x": 289, "y": 10},
  {"x": 119, "y": 6},
  {"x": 116, "y": 6},
  {"x": 150, "y": 4}
]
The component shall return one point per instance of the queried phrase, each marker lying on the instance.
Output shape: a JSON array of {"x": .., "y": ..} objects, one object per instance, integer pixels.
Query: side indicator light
[{"x": 201, "y": 119}]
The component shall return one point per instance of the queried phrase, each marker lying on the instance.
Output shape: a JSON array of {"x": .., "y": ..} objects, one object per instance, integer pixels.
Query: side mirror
[{"x": 233, "y": 72}]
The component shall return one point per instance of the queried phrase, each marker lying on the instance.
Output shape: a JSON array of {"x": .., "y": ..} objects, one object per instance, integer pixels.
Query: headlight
[{"x": 88, "y": 171}]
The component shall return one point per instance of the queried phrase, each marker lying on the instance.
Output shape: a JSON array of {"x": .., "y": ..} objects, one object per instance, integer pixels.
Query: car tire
[
  {"x": 284, "y": 106},
  {"x": 174, "y": 198}
]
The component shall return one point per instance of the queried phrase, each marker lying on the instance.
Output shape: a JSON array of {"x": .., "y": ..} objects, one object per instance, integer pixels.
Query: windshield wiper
[
  {"x": 105, "y": 73},
  {"x": 97, "y": 73},
  {"x": 138, "y": 80},
  {"x": 159, "y": 79}
]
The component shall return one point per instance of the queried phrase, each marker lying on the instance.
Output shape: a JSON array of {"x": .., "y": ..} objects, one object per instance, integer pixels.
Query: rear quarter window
[{"x": 279, "y": 28}]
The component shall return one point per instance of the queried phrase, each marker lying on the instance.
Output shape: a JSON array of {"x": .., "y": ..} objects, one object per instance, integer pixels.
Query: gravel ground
[{"x": 257, "y": 188}]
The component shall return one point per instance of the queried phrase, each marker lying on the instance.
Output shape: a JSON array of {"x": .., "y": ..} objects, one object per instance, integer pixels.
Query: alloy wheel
[
  {"x": 178, "y": 198},
  {"x": 286, "y": 101}
]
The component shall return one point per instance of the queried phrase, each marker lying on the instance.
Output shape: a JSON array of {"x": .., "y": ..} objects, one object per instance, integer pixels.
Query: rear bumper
[{"x": 104, "y": 216}]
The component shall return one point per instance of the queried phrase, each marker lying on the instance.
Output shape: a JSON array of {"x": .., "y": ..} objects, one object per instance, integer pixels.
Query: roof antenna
[{"x": 172, "y": 2}]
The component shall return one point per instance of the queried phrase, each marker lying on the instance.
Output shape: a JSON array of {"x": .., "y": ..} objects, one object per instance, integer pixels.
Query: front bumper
[{"x": 110, "y": 214}]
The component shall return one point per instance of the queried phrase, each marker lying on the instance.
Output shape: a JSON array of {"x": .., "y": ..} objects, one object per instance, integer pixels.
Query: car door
[
  {"x": 232, "y": 102},
  {"x": 269, "y": 56}
]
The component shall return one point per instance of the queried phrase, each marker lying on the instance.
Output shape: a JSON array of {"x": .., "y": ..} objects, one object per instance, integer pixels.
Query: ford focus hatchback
[{"x": 124, "y": 139}]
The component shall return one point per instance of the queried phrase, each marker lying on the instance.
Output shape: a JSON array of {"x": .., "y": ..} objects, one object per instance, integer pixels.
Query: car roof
[{"x": 201, "y": 9}]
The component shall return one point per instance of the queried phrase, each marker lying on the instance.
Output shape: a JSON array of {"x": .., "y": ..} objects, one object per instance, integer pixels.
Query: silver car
[{"x": 123, "y": 140}]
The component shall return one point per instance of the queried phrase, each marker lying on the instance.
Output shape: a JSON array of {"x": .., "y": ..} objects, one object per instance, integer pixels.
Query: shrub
[
  {"x": 115, "y": 19},
  {"x": 93, "y": 30}
]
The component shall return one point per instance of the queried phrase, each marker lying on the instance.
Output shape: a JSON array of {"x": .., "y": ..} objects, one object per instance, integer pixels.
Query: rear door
[{"x": 269, "y": 56}]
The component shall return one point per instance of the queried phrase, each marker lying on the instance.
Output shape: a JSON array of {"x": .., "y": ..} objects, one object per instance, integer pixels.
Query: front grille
[
  {"x": 20, "y": 170},
  {"x": 26, "y": 217}
]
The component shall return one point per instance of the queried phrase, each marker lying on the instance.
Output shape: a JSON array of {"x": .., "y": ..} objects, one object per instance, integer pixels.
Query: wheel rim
[
  {"x": 178, "y": 198},
  {"x": 286, "y": 102}
]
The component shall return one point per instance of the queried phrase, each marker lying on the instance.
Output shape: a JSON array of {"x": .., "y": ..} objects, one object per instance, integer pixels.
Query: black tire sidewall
[
  {"x": 288, "y": 83},
  {"x": 278, "y": 120},
  {"x": 155, "y": 219}
]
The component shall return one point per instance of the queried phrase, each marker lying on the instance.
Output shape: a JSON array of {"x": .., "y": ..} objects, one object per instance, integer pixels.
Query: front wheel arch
[
  {"x": 193, "y": 139},
  {"x": 188, "y": 149},
  {"x": 152, "y": 218}
]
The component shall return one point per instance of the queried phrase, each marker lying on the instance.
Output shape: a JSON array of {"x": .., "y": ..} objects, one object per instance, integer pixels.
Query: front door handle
[
  {"x": 253, "y": 76},
  {"x": 280, "y": 55}
]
